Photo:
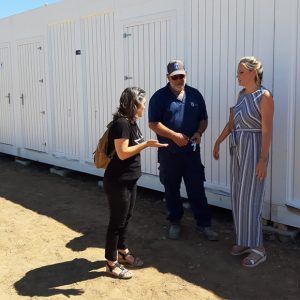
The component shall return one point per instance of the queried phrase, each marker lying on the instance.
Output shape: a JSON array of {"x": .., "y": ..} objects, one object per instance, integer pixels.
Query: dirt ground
[{"x": 52, "y": 239}]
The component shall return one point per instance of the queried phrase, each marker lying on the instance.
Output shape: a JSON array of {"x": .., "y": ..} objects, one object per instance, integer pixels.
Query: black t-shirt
[{"x": 130, "y": 168}]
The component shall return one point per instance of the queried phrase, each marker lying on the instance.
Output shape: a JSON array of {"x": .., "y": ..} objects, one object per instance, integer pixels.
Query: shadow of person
[
  {"x": 45, "y": 281},
  {"x": 90, "y": 238}
]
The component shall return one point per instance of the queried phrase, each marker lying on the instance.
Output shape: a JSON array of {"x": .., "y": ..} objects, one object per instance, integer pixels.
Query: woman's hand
[
  {"x": 216, "y": 151},
  {"x": 125, "y": 151},
  {"x": 261, "y": 169},
  {"x": 155, "y": 143}
]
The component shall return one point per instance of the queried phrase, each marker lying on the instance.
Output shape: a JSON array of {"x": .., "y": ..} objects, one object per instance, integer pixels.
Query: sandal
[
  {"x": 239, "y": 250},
  {"x": 255, "y": 258},
  {"x": 123, "y": 259},
  {"x": 124, "y": 274}
]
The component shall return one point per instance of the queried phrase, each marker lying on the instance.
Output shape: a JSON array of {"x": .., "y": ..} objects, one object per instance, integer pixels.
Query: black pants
[
  {"x": 121, "y": 197},
  {"x": 175, "y": 166}
]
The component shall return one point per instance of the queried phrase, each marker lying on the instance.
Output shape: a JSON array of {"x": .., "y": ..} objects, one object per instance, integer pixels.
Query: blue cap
[{"x": 175, "y": 67}]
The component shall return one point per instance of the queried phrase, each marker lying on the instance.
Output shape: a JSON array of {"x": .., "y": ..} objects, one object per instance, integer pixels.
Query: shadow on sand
[
  {"x": 45, "y": 281},
  {"x": 77, "y": 202}
]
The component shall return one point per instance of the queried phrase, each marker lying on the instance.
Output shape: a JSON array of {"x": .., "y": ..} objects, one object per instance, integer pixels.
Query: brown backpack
[{"x": 101, "y": 157}]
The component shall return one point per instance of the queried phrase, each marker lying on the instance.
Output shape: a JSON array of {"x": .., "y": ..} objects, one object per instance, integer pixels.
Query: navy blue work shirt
[{"x": 181, "y": 116}]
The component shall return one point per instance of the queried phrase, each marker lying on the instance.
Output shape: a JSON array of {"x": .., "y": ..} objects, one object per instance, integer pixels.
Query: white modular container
[{"x": 63, "y": 67}]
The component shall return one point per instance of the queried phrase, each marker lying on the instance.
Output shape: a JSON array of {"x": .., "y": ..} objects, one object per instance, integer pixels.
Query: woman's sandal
[
  {"x": 124, "y": 274},
  {"x": 239, "y": 250},
  {"x": 123, "y": 259},
  {"x": 255, "y": 258}
]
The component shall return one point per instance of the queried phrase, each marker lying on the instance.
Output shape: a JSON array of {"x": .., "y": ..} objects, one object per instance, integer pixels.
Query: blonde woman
[{"x": 250, "y": 129}]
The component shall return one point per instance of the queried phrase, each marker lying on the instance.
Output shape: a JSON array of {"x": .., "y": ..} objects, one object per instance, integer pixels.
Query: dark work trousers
[
  {"x": 121, "y": 197},
  {"x": 175, "y": 166}
]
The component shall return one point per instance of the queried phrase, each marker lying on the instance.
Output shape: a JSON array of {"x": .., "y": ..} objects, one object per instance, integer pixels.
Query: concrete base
[
  {"x": 59, "y": 171},
  {"x": 22, "y": 161},
  {"x": 284, "y": 235}
]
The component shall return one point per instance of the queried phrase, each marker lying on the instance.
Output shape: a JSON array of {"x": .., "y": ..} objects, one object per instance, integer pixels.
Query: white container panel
[
  {"x": 147, "y": 47},
  {"x": 32, "y": 95},
  {"x": 63, "y": 76},
  {"x": 221, "y": 32},
  {"x": 211, "y": 68},
  {"x": 295, "y": 133},
  {"x": 6, "y": 99},
  {"x": 98, "y": 45},
  {"x": 293, "y": 176}
]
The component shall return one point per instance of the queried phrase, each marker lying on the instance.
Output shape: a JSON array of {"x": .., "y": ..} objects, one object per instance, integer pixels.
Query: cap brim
[{"x": 177, "y": 72}]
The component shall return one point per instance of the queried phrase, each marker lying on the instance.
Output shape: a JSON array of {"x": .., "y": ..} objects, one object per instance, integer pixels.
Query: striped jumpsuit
[{"x": 246, "y": 190}]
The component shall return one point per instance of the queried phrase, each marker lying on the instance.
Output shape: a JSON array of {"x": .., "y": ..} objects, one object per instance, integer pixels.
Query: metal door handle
[
  {"x": 8, "y": 96},
  {"x": 127, "y": 77},
  {"x": 22, "y": 98}
]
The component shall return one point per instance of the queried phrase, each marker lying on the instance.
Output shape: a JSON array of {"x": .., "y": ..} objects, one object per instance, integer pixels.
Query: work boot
[
  {"x": 210, "y": 234},
  {"x": 174, "y": 231}
]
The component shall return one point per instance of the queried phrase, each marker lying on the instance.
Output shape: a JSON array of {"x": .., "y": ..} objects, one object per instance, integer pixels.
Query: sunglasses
[{"x": 180, "y": 76}]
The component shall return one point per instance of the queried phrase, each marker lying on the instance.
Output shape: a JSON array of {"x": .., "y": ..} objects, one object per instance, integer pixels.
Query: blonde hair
[{"x": 252, "y": 63}]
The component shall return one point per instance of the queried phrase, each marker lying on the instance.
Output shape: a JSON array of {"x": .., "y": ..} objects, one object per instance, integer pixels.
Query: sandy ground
[{"x": 52, "y": 239}]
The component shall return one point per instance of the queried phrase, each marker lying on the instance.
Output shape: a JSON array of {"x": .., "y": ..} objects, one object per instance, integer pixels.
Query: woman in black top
[{"x": 120, "y": 179}]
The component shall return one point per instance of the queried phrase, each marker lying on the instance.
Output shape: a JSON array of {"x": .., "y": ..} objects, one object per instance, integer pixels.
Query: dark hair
[{"x": 130, "y": 101}]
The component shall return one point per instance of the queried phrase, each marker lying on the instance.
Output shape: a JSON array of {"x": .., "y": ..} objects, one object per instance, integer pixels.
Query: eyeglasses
[{"x": 180, "y": 76}]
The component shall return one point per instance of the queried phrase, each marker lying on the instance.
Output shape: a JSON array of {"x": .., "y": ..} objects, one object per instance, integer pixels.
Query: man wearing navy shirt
[{"x": 177, "y": 114}]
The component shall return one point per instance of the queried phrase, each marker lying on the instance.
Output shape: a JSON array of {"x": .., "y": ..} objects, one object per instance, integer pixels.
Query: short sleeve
[
  {"x": 121, "y": 129},
  {"x": 155, "y": 110}
]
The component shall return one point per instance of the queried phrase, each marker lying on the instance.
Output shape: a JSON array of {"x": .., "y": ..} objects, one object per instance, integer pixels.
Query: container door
[
  {"x": 99, "y": 80},
  {"x": 63, "y": 89},
  {"x": 32, "y": 94},
  {"x": 147, "y": 50},
  {"x": 6, "y": 105}
]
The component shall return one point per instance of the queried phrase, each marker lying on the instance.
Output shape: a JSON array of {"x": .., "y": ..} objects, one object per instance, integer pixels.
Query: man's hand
[
  {"x": 196, "y": 137},
  {"x": 180, "y": 139}
]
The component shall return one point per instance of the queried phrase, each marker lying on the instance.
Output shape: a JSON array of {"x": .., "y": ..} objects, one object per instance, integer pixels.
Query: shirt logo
[
  {"x": 138, "y": 138},
  {"x": 139, "y": 141}
]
